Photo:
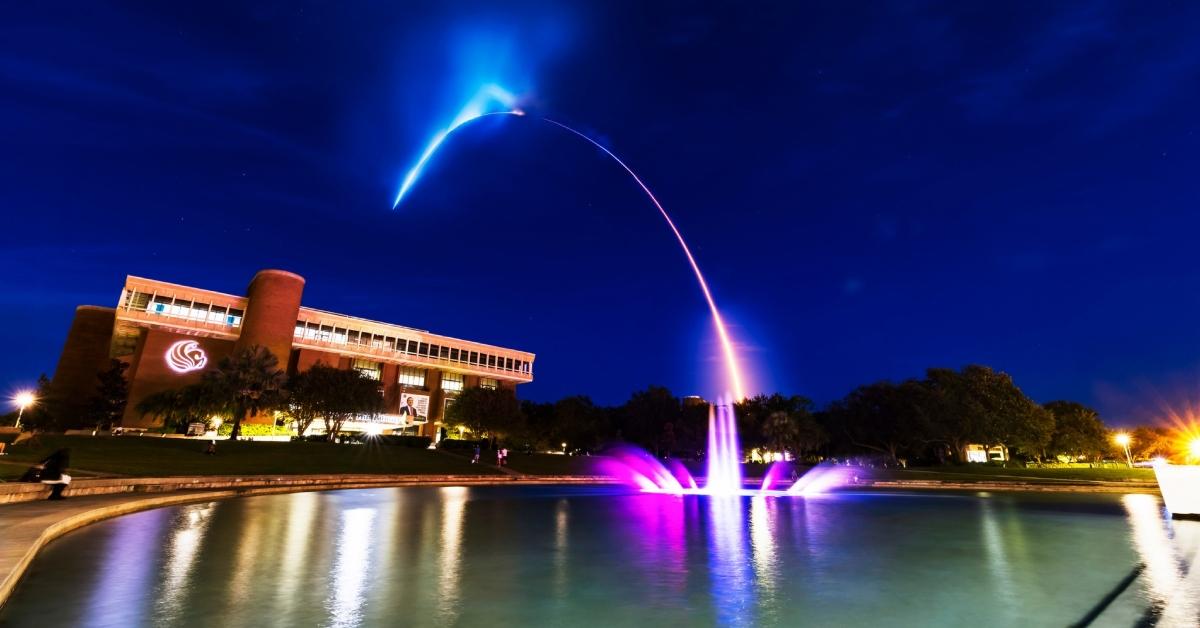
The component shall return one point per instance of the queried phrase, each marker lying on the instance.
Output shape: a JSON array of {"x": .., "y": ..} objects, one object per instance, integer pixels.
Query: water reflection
[
  {"x": 1170, "y": 581},
  {"x": 763, "y": 528},
  {"x": 351, "y": 567},
  {"x": 454, "y": 505},
  {"x": 183, "y": 549},
  {"x": 998, "y": 559},
  {"x": 561, "y": 524},
  {"x": 590, "y": 557},
  {"x": 130, "y": 560},
  {"x": 729, "y": 571}
]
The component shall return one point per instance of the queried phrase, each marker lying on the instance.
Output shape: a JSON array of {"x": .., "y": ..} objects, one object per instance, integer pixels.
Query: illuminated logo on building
[{"x": 186, "y": 356}]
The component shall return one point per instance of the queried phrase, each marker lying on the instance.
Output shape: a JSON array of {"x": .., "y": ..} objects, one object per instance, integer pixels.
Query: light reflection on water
[{"x": 603, "y": 557}]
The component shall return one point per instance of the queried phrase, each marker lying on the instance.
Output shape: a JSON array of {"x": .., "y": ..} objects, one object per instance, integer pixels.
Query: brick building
[{"x": 170, "y": 335}]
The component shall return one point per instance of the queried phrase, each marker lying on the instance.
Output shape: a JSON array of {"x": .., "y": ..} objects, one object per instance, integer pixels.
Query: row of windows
[
  {"x": 415, "y": 377},
  {"x": 184, "y": 308},
  {"x": 336, "y": 335}
]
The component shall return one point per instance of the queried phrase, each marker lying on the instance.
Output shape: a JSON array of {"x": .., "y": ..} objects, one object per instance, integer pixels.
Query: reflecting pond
[{"x": 602, "y": 556}]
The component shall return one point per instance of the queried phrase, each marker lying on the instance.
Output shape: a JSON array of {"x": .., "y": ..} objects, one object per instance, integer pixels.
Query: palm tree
[
  {"x": 179, "y": 406},
  {"x": 249, "y": 382}
]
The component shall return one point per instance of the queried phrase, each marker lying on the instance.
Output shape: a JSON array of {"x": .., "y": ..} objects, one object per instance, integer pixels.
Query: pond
[{"x": 605, "y": 556}]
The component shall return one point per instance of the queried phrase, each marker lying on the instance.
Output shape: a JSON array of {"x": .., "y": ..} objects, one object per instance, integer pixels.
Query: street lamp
[
  {"x": 1123, "y": 440},
  {"x": 23, "y": 399}
]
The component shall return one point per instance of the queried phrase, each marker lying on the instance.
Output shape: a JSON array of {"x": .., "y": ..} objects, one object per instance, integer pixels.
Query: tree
[
  {"x": 980, "y": 405},
  {"x": 779, "y": 423},
  {"x": 249, "y": 382},
  {"x": 576, "y": 421},
  {"x": 108, "y": 405},
  {"x": 346, "y": 394},
  {"x": 1149, "y": 442},
  {"x": 175, "y": 407},
  {"x": 882, "y": 417},
  {"x": 493, "y": 411},
  {"x": 43, "y": 415},
  {"x": 1078, "y": 430},
  {"x": 643, "y": 418},
  {"x": 307, "y": 393}
]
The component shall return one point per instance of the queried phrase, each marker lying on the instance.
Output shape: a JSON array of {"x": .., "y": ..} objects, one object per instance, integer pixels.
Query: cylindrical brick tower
[
  {"x": 84, "y": 355},
  {"x": 273, "y": 303}
]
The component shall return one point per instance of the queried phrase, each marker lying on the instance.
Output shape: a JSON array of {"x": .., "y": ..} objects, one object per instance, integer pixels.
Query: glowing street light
[
  {"x": 1194, "y": 449},
  {"x": 23, "y": 399},
  {"x": 1123, "y": 440}
]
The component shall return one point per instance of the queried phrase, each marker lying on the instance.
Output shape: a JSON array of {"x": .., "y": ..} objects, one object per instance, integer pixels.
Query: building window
[
  {"x": 367, "y": 368},
  {"x": 454, "y": 355},
  {"x": 452, "y": 382},
  {"x": 488, "y": 382},
  {"x": 491, "y": 361},
  {"x": 411, "y": 376}
]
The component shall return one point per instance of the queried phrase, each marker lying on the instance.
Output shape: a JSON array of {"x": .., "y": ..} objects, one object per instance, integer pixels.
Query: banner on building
[{"x": 414, "y": 408}]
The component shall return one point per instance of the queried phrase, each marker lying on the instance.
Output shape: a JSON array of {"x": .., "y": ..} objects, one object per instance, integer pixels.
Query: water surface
[{"x": 588, "y": 556}]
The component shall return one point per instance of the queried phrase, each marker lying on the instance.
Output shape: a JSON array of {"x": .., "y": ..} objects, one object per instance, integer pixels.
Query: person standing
[{"x": 475, "y": 460}]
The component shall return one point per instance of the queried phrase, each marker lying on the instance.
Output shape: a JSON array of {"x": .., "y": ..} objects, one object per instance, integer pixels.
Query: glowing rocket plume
[
  {"x": 473, "y": 111},
  {"x": 731, "y": 363}
]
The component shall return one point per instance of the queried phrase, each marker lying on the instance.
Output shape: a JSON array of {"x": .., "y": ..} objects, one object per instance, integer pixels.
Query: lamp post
[
  {"x": 23, "y": 399},
  {"x": 1123, "y": 440}
]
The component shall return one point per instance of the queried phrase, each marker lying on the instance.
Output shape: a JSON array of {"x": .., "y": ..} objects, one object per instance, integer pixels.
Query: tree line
[
  {"x": 245, "y": 384},
  {"x": 931, "y": 419},
  {"x": 928, "y": 419}
]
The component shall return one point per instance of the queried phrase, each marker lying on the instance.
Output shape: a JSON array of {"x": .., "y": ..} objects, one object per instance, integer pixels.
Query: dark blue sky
[{"x": 872, "y": 188}]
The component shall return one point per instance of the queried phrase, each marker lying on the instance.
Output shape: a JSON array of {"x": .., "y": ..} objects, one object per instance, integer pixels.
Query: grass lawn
[
  {"x": 970, "y": 473},
  {"x": 158, "y": 457},
  {"x": 550, "y": 464}
]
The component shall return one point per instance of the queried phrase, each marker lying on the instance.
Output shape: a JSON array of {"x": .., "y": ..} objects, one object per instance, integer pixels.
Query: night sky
[{"x": 871, "y": 188}]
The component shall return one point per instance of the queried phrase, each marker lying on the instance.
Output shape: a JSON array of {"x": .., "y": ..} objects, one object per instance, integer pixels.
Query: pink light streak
[{"x": 731, "y": 361}]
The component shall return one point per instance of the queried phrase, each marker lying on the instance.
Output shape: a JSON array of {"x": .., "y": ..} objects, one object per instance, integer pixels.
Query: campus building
[{"x": 170, "y": 335}]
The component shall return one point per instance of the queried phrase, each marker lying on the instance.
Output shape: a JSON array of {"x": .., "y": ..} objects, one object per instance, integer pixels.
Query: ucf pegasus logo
[{"x": 186, "y": 356}]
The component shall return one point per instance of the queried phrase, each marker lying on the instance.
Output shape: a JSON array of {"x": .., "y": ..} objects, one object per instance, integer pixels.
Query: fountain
[{"x": 637, "y": 468}]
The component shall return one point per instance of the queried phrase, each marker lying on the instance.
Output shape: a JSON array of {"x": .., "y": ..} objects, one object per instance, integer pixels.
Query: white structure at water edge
[{"x": 1180, "y": 487}]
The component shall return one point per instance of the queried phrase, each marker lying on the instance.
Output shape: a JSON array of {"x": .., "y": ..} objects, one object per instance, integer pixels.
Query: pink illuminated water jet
[{"x": 637, "y": 468}]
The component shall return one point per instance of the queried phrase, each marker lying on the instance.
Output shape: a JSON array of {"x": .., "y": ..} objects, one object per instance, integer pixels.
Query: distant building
[
  {"x": 170, "y": 335},
  {"x": 691, "y": 401},
  {"x": 978, "y": 453}
]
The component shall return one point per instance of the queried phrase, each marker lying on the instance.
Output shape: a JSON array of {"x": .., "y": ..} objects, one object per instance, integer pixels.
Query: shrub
[
  {"x": 456, "y": 444},
  {"x": 416, "y": 442},
  {"x": 253, "y": 429}
]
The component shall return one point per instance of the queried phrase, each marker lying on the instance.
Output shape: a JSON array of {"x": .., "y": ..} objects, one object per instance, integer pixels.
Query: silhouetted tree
[
  {"x": 108, "y": 405},
  {"x": 1078, "y": 430},
  {"x": 341, "y": 395},
  {"x": 488, "y": 411},
  {"x": 44, "y": 415},
  {"x": 643, "y": 417}
]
